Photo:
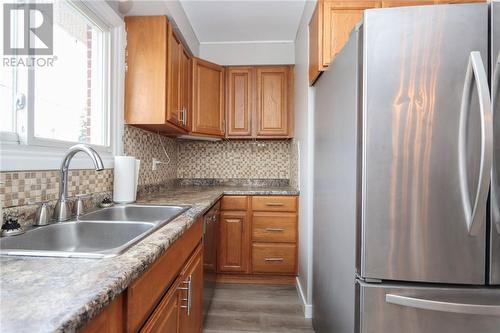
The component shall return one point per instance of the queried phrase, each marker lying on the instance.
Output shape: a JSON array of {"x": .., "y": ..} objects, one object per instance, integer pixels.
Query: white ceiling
[{"x": 244, "y": 21}]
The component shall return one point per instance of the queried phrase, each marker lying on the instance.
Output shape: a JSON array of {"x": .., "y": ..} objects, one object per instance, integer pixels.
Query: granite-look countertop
[{"x": 63, "y": 294}]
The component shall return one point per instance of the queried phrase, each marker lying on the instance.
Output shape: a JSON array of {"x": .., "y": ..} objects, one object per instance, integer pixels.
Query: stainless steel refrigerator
[{"x": 406, "y": 235}]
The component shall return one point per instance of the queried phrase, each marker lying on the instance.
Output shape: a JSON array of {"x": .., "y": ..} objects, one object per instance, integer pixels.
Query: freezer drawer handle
[
  {"x": 495, "y": 195},
  {"x": 426, "y": 304},
  {"x": 475, "y": 212}
]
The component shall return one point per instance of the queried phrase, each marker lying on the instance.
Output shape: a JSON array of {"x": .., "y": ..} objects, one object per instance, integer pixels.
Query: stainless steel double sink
[{"x": 104, "y": 233}]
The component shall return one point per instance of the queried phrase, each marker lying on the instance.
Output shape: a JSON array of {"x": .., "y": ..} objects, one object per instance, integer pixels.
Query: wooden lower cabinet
[
  {"x": 156, "y": 301},
  {"x": 181, "y": 309},
  {"x": 257, "y": 238},
  {"x": 191, "y": 295},
  {"x": 274, "y": 258},
  {"x": 166, "y": 316},
  {"x": 274, "y": 227},
  {"x": 233, "y": 242},
  {"x": 110, "y": 320}
]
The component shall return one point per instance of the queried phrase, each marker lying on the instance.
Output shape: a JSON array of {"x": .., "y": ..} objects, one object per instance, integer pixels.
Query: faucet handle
[
  {"x": 42, "y": 214},
  {"x": 79, "y": 206}
]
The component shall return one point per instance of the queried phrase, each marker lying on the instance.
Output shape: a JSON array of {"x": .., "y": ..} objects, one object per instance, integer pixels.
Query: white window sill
[{"x": 16, "y": 157}]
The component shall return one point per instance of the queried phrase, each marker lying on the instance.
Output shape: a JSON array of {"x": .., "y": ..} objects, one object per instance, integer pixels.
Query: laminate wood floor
[{"x": 256, "y": 308}]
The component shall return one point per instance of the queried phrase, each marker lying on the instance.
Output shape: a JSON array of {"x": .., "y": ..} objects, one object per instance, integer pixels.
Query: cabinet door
[
  {"x": 185, "y": 88},
  {"x": 191, "y": 305},
  {"x": 208, "y": 98},
  {"x": 174, "y": 75},
  {"x": 234, "y": 242},
  {"x": 272, "y": 101},
  {"x": 339, "y": 18},
  {"x": 239, "y": 101},
  {"x": 165, "y": 318},
  {"x": 145, "y": 77},
  {"x": 110, "y": 320},
  {"x": 316, "y": 44}
]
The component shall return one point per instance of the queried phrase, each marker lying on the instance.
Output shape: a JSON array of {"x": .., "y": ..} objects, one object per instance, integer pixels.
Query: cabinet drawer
[
  {"x": 233, "y": 203},
  {"x": 275, "y": 204},
  {"x": 274, "y": 227},
  {"x": 274, "y": 258}
]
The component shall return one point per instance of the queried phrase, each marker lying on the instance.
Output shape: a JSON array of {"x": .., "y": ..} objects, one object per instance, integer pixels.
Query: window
[
  {"x": 72, "y": 95},
  {"x": 67, "y": 97},
  {"x": 73, "y": 90}
]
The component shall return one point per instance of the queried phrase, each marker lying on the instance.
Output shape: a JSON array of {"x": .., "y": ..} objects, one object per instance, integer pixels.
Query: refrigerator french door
[
  {"x": 495, "y": 181},
  {"x": 404, "y": 152},
  {"x": 426, "y": 144}
]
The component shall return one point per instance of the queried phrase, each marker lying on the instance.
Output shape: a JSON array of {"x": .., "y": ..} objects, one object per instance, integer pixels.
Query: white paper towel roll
[
  {"x": 124, "y": 182},
  {"x": 137, "y": 167}
]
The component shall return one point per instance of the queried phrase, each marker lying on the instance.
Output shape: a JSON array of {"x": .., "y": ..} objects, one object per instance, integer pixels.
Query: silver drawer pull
[
  {"x": 275, "y": 229},
  {"x": 275, "y": 204},
  {"x": 189, "y": 296},
  {"x": 273, "y": 259}
]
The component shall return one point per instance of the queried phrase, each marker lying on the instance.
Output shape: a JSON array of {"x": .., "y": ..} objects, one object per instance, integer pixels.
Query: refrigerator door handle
[
  {"x": 495, "y": 87},
  {"x": 475, "y": 214},
  {"x": 426, "y": 304}
]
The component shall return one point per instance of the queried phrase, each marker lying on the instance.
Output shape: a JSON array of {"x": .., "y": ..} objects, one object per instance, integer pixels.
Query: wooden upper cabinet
[
  {"x": 339, "y": 18},
  {"x": 239, "y": 101},
  {"x": 259, "y": 101},
  {"x": 145, "y": 79},
  {"x": 406, "y": 3},
  {"x": 273, "y": 101},
  {"x": 154, "y": 85},
  {"x": 185, "y": 93},
  {"x": 234, "y": 242},
  {"x": 208, "y": 98},
  {"x": 329, "y": 30},
  {"x": 316, "y": 44},
  {"x": 174, "y": 76},
  {"x": 333, "y": 21}
]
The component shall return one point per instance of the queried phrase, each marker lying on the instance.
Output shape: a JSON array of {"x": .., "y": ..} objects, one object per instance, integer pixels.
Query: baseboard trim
[
  {"x": 256, "y": 279},
  {"x": 308, "y": 310}
]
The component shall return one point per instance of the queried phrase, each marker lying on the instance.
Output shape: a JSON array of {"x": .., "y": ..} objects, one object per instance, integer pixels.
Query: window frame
[{"x": 27, "y": 152}]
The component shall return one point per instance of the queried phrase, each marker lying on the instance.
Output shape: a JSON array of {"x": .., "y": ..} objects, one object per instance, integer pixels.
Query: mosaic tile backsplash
[
  {"x": 234, "y": 159},
  {"x": 145, "y": 146},
  {"x": 30, "y": 187},
  {"x": 188, "y": 163},
  {"x": 23, "y": 190}
]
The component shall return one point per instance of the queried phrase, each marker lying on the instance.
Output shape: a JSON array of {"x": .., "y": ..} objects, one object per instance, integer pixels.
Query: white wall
[
  {"x": 304, "y": 134},
  {"x": 249, "y": 53},
  {"x": 173, "y": 9}
]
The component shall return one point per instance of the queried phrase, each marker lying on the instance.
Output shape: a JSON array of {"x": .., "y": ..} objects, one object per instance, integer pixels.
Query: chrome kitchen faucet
[{"x": 62, "y": 211}]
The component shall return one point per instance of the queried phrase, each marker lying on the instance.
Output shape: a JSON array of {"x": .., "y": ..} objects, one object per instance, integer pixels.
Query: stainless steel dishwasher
[{"x": 210, "y": 231}]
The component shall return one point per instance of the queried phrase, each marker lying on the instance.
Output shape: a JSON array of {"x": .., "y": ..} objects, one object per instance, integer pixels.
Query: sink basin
[
  {"x": 104, "y": 233},
  {"x": 134, "y": 213}
]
